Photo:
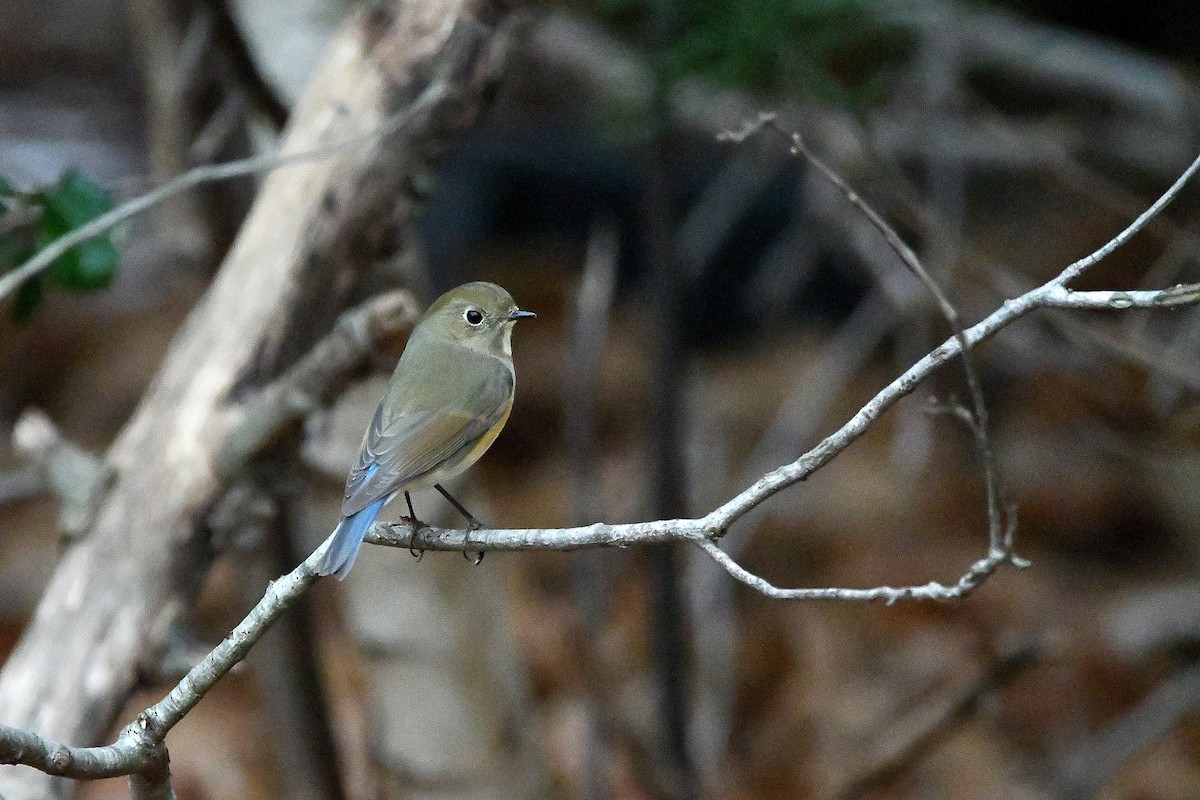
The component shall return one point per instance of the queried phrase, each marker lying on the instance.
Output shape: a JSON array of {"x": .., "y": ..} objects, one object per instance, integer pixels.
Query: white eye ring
[{"x": 473, "y": 317}]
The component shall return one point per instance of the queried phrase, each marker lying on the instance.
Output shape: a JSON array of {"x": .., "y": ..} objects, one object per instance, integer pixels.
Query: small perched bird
[{"x": 449, "y": 397}]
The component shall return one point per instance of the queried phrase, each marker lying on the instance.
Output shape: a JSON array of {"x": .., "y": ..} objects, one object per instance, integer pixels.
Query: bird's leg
[
  {"x": 418, "y": 526},
  {"x": 472, "y": 523}
]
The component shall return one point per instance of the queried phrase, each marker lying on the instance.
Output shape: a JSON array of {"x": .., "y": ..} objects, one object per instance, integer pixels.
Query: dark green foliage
[
  {"x": 831, "y": 50},
  {"x": 71, "y": 202}
]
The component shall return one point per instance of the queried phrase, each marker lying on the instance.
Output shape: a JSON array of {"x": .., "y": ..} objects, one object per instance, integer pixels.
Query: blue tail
[{"x": 346, "y": 539}]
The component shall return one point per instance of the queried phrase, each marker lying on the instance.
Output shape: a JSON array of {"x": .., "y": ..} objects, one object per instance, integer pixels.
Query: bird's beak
[{"x": 517, "y": 313}]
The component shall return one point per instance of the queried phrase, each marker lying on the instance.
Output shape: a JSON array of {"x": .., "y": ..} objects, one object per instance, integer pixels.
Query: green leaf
[
  {"x": 97, "y": 262},
  {"x": 74, "y": 201},
  {"x": 6, "y": 190},
  {"x": 77, "y": 199}
]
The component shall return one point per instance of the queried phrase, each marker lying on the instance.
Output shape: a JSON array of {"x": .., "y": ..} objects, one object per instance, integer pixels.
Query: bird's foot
[
  {"x": 473, "y": 525},
  {"x": 417, "y": 543}
]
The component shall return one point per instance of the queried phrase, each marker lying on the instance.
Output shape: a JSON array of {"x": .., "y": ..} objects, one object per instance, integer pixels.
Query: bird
[{"x": 449, "y": 397}]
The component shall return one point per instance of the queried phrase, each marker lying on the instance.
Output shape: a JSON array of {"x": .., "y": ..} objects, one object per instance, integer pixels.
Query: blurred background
[{"x": 706, "y": 311}]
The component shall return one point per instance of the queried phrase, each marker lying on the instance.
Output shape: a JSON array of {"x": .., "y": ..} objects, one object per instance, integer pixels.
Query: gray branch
[{"x": 19, "y": 746}]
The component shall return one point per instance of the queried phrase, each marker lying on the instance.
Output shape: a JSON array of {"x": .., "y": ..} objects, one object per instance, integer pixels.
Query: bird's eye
[{"x": 472, "y": 316}]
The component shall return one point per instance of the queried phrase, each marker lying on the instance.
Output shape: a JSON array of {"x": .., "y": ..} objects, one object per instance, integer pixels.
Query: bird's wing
[{"x": 413, "y": 444}]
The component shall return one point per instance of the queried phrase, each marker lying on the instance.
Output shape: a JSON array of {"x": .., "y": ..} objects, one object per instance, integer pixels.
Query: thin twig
[
  {"x": 210, "y": 173},
  {"x": 1000, "y": 530},
  {"x": 933, "y": 590},
  {"x": 1082, "y": 265}
]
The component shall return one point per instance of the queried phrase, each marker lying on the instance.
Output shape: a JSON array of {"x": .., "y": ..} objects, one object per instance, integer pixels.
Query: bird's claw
[
  {"x": 473, "y": 525},
  {"x": 417, "y": 537}
]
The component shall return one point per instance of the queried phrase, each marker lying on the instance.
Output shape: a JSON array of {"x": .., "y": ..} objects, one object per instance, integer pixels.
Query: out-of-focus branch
[
  {"x": 23, "y": 483},
  {"x": 590, "y": 320},
  {"x": 300, "y": 390},
  {"x": 232, "y": 45},
  {"x": 938, "y": 723},
  {"x": 75, "y": 476}
]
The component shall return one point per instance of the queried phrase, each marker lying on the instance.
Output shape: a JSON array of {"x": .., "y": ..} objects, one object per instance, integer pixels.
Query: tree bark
[{"x": 312, "y": 230}]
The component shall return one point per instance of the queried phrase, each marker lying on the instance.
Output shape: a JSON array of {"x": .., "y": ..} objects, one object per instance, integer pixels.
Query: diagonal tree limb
[{"x": 312, "y": 231}]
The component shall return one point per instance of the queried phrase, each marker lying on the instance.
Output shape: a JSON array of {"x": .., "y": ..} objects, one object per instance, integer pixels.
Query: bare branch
[
  {"x": 1174, "y": 297},
  {"x": 999, "y": 531},
  {"x": 158, "y": 719},
  {"x": 18, "y": 746},
  {"x": 976, "y": 575},
  {"x": 600, "y": 534},
  {"x": 1082, "y": 265}
]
